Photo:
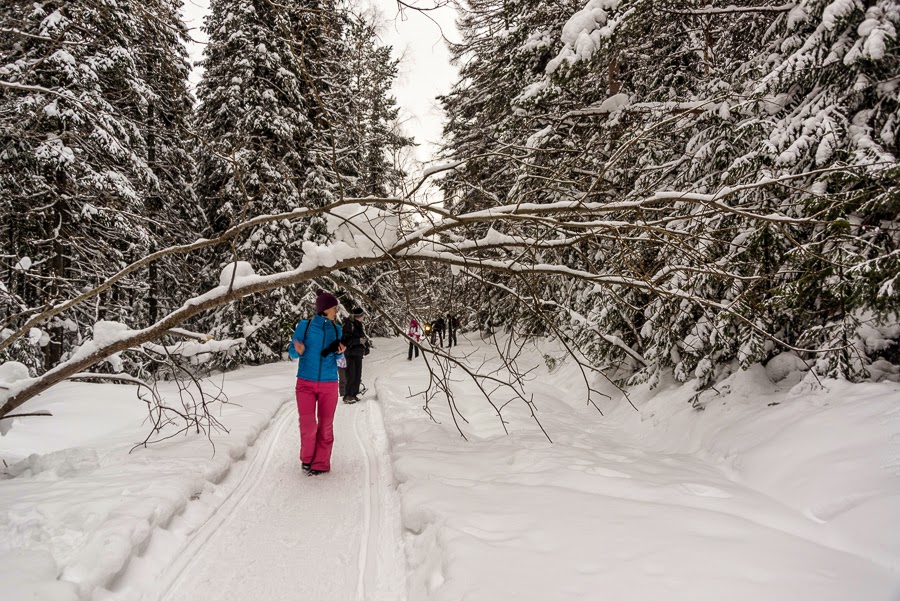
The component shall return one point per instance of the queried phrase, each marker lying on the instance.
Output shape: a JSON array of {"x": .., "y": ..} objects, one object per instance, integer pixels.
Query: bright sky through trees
[{"x": 425, "y": 70}]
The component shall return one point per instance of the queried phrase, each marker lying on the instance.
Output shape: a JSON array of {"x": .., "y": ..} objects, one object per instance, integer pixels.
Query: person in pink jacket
[{"x": 415, "y": 335}]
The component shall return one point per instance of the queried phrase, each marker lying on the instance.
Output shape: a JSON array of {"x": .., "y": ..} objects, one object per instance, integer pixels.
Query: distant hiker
[
  {"x": 357, "y": 344},
  {"x": 452, "y": 326},
  {"x": 318, "y": 343},
  {"x": 415, "y": 335},
  {"x": 438, "y": 328}
]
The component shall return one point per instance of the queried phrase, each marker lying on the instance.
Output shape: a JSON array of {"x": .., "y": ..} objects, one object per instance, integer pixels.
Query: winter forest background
[{"x": 662, "y": 185}]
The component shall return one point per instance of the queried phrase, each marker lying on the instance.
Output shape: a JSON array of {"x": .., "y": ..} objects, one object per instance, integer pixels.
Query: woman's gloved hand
[{"x": 331, "y": 348}]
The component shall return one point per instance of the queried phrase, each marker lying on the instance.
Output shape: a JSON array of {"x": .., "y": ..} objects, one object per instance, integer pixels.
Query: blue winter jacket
[{"x": 313, "y": 366}]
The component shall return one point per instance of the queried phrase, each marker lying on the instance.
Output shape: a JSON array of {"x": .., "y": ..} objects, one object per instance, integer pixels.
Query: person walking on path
[
  {"x": 452, "y": 326},
  {"x": 357, "y": 344},
  {"x": 437, "y": 328},
  {"x": 415, "y": 335},
  {"x": 317, "y": 341}
]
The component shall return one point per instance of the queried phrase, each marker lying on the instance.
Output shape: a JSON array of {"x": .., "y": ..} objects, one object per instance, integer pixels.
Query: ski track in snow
[
  {"x": 370, "y": 511},
  {"x": 195, "y": 549},
  {"x": 280, "y": 534},
  {"x": 496, "y": 517}
]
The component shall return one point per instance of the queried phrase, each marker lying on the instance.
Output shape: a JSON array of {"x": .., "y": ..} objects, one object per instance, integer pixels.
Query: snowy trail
[
  {"x": 601, "y": 510},
  {"x": 761, "y": 496},
  {"x": 284, "y": 535},
  {"x": 194, "y": 551}
]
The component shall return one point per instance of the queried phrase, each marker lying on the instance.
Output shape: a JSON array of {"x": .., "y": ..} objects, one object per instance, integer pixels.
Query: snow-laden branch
[
  {"x": 93, "y": 352},
  {"x": 518, "y": 268},
  {"x": 189, "y": 334},
  {"x": 318, "y": 262},
  {"x": 547, "y": 269},
  {"x": 533, "y": 212},
  {"x": 433, "y": 171},
  {"x": 732, "y": 9},
  {"x": 12, "y": 85},
  {"x": 25, "y": 34},
  {"x": 366, "y": 236},
  {"x": 227, "y": 236}
]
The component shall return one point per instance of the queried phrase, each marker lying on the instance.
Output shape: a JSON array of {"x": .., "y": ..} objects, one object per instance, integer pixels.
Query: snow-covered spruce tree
[
  {"x": 170, "y": 205},
  {"x": 835, "y": 67},
  {"x": 674, "y": 131},
  {"x": 645, "y": 96},
  {"x": 505, "y": 47},
  {"x": 613, "y": 51},
  {"x": 780, "y": 120},
  {"x": 747, "y": 126},
  {"x": 294, "y": 112},
  {"x": 260, "y": 152},
  {"x": 75, "y": 168},
  {"x": 367, "y": 141},
  {"x": 370, "y": 135}
]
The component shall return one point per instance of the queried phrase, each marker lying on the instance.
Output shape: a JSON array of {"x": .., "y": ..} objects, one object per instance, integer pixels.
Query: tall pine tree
[
  {"x": 81, "y": 88},
  {"x": 302, "y": 117},
  {"x": 633, "y": 96}
]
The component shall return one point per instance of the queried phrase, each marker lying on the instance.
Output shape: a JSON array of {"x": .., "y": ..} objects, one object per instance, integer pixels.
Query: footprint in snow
[
  {"x": 702, "y": 490},
  {"x": 603, "y": 471},
  {"x": 827, "y": 511}
]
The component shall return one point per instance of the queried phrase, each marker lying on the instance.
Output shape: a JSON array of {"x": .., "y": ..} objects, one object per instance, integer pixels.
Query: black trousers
[
  {"x": 413, "y": 347},
  {"x": 451, "y": 338},
  {"x": 354, "y": 374}
]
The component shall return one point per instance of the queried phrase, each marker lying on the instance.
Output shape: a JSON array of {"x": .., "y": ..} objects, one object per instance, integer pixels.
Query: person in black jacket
[
  {"x": 357, "y": 344},
  {"x": 437, "y": 328},
  {"x": 452, "y": 326}
]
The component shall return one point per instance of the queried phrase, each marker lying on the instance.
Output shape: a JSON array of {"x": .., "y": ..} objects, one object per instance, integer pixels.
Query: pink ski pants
[{"x": 316, "y": 400}]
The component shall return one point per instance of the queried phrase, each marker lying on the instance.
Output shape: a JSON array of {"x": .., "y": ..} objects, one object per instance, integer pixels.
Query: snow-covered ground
[{"x": 776, "y": 490}]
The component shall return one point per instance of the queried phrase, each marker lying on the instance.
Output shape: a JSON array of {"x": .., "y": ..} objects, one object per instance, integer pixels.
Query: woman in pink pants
[{"x": 318, "y": 342}]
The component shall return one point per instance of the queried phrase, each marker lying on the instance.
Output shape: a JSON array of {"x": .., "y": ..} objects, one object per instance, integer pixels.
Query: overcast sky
[{"x": 425, "y": 70}]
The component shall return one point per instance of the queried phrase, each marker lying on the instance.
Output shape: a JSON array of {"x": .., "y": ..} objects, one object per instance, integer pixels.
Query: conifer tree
[
  {"x": 77, "y": 83},
  {"x": 370, "y": 136},
  {"x": 301, "y": 118},
  {"x": 257, "y": 124},
  {"x": 637, "y": 96},
  {"x": 170, "y": 205}
]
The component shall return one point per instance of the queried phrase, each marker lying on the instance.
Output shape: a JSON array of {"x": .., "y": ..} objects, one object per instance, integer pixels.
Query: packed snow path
[
  {"x": 283, "y": 535},
  {"x": 762, "y": 496},
  {"x": 501, "y": 517}
]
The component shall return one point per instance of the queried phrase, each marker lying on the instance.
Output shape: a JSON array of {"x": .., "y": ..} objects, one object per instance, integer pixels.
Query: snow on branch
[
  {"x": 94, "y": 352},
  {"x": 732, "y": 9},
  {"x": 188, "y": 334},
  {"x": 427, "y": 173},
  {"x": 521, "y": 211},
  {"x": 24, "y": 34},
  {"x": 41, "y": 90},
  {"x": 366, "y": 235},
  {"x": 228, "y": 235}
]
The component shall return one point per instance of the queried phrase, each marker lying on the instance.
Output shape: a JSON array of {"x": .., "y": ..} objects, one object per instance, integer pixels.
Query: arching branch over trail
[{"x": 512, "y": 241}]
